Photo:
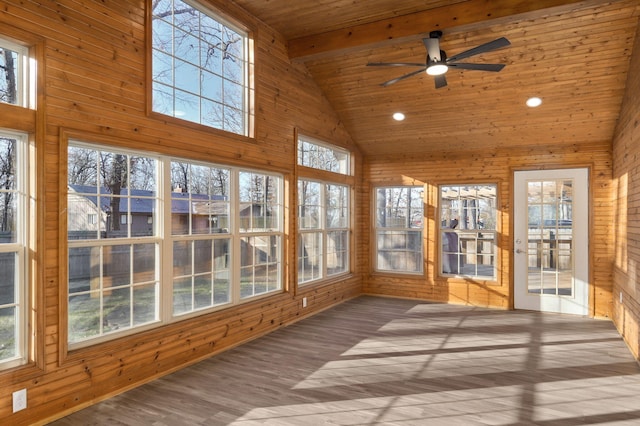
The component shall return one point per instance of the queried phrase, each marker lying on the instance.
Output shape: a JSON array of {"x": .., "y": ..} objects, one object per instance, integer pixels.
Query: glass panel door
[{"x": 551, "y": 261}]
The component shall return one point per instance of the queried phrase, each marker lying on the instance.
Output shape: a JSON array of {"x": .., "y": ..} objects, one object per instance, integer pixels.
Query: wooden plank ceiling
[{"x": 572, "y": 54}]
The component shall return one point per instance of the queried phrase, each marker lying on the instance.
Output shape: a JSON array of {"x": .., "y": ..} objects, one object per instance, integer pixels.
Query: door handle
[{"x": 519, "y": 251}]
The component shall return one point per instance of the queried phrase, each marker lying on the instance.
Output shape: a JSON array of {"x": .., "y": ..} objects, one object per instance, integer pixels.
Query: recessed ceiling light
[
  {"x": 398, "y": 116},
  {"x": 534, "y": 102}
]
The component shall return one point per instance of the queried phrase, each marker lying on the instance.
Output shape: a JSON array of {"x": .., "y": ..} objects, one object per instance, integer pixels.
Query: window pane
[
  {"x": 8, "y": 278},
  {"x": 8, "y": 190},
  {"x": 337, "y": 252},
  {"x": 309, "y": 205},
  {"x": 259, "y": 202},
  {"x": 202, "y": 62},
  {"x": 84, "y": 316},
  {"x": 144, "y": 265},
  {"x": 399, "y": 251},
  {"x": 145, "y": 303},
  {"x": 182, "y": 295},
  {"x": 259, "y": 265},
  {"x": 13, "y": 214},
  {"x": 8, "y": 332},
  {"x": 200, "y": 199},
  {"x": 309, "y": 257},
  {"x": 337, "y": 206},
  {"x": 12, "y": 84},
  {"x": 116, "y": 265},
  {"x": 84, "y": 269},
  {"x": 206, "y": 283},
  {"x": 399, "y": 207},
  {"x": 323, "y": 157},
  {"x": 117, "y": 309}
]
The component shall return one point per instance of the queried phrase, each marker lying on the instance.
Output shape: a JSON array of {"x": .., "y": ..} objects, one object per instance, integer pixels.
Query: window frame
[
  {"x": 323, "y": 230},
  {"x": 107, "y": 243},
  {"x": 164, "y": 238},
  {"x": 247, "y": 110},
  {"x": 348, "y": 169},
  {"x": 20, "y": 248},
  {"x": 25, "y": 75},
  {"x": 444, "y": 228},
  {"x": 406, "y": 230},
  {"x": 325, "y": 177}
]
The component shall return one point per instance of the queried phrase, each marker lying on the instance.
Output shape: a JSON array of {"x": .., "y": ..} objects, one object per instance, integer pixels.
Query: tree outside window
[
  {"x": 14, "y": 74},
  {"x": 200, "y": 66}
]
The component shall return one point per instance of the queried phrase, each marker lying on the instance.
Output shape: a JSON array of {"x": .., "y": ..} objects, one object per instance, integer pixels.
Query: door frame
[{"x": 589, "y": 307}]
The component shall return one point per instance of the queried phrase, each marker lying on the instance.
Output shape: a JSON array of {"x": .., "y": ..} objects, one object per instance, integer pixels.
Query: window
[
  {"x": 16, "y": 74},
  {"x": 201, "y": 241},
  {"x": 468, "y": 230},
  {"x": 200, "y": 67},
  {"x": 113, "y": 280},
  {"x": 13, "y": 251},
  {"x": 399, "y": 223},
  {"x": 217, "y": 242},
  {"x": 323, "y": 157},
  {"x": 260, "y": 216},
  {"x": 323, "y": 230},
  {"x": 324, "y": 221}
]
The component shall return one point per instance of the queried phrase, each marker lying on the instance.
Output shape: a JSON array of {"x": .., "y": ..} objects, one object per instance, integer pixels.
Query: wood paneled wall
[
  {"x": 491, "y": 167},
  {"x": 91, "y": 64},
  {"x": 626, "y": 194}
]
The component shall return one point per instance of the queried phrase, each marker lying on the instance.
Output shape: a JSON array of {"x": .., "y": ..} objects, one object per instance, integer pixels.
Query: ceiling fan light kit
[{"x": 437, "y": 63}]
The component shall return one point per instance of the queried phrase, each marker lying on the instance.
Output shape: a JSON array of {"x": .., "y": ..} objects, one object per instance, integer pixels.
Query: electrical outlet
[
  {"x": 304, "y": 302},
  {"x": 19, "y": 400}
]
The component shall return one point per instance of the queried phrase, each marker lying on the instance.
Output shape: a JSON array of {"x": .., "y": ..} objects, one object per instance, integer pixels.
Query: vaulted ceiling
[{"x": 572, "y": 54}]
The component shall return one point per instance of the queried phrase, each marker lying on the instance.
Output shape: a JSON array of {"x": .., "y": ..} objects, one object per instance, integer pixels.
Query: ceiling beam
[{"x": 418, "y": 25}]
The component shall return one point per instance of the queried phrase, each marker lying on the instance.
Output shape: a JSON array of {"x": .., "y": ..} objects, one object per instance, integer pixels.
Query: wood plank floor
[{"x": 382, "y": 361}]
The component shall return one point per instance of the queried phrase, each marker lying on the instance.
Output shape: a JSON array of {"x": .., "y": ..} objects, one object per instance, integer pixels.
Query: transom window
[
  {"x": 217, "y": 242},
  {"x": 15, "y": 74},
  {"x": 468, "y": 230},
  {"x": 322, "y": 156},
  {"x": 13, "y": 251},
  {"x": 200, "y": 68},
  {"x": 399, "y": 223}
]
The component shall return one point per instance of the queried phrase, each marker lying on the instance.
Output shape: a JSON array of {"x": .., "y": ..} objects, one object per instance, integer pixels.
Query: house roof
[{"x": 143, "y": 201}]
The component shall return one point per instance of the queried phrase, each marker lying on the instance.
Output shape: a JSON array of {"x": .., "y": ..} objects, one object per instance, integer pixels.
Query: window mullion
[
  {"x": 165, "y": 247},
  {"x": 235, "y": 237}
]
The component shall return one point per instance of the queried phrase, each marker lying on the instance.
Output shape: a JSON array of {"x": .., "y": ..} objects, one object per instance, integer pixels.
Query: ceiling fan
[{"x": 437, "y": 63}]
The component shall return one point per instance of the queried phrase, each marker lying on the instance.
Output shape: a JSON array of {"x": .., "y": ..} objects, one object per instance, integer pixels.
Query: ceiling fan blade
[
  {"x": 394, "y": 64},
  {"x": 402, "y": 77},
  {"x": 487, "y": 47},
  {"x": 433, "y": 48},
  {"x": 477, "y": 67},
  {"x": 441, "y": 81}
]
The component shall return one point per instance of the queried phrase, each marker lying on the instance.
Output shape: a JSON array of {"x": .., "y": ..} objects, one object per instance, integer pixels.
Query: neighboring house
[{"x": 90, "y": 212}]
